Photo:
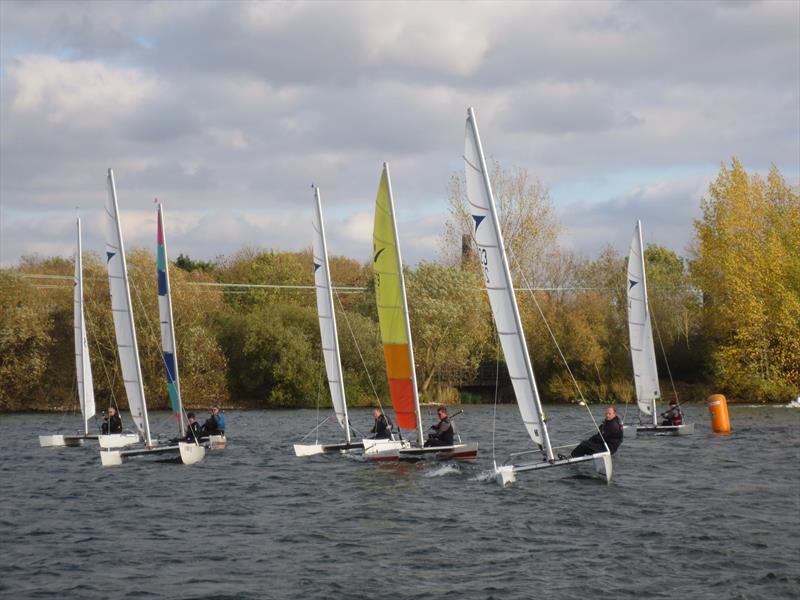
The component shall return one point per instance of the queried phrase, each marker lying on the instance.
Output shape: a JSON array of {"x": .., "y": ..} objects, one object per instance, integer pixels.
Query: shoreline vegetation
[{"x": 726, "y": 316}]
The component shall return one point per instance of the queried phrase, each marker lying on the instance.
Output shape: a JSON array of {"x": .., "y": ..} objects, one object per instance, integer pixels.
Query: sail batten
[
  {"x": 500, "y": 287},
  {"x": 167, "y": 324},
  {"x": 643, "y": 355},
  {"x": 327, "y": 318},
  {"x": 83, "y": 366},
  {"x": 390, "y": 298},
  {"x": 122, "y": 311}
]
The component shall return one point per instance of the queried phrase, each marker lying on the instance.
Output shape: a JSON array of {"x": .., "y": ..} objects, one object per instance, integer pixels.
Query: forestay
[
  {"x": 168, "y": 345},
  {"x": 122, "y": 311},
  {"x": 643, "y": 355},
  {"x": 499, "y": 286},
  {"x": 327, "y": 318},
  {"x": 390, "y": 296},
  {"x": 83, "y": 365}
]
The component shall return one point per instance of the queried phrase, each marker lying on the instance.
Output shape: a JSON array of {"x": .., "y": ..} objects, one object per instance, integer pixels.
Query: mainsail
[
  {"x": 82, "y": 364},
  {"x": 390, "y": 295},
  {"x": 168, "y": 345},
  {"x": 499, "y": 285},
  {"x": 122, "y": 311},
  {"x": 643, "y": 354},
  {"x": 327, "y": 318}
]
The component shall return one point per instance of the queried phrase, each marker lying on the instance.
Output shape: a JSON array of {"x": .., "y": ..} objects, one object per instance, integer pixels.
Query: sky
[{"x": 228, "y": 112}]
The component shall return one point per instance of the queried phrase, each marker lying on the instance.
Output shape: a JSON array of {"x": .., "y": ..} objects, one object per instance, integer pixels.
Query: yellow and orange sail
[{"x": 392, "y": 309}]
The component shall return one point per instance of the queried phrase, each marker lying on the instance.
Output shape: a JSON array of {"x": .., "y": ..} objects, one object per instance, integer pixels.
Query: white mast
[
  {"x": 82, "y": 364},
  {"x": 405, "y": 306},
  {"x": 500, "y": 287},
  {"x": 327, "y": 318},
  {"x": 122, "y": 311}
]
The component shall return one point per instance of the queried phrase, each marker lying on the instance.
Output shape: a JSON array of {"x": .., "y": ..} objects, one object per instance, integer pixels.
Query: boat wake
[
  {"x": 443, "y": 470},
  {"x": 794, "y": 403},
  {"x": 484, "y": 476}
]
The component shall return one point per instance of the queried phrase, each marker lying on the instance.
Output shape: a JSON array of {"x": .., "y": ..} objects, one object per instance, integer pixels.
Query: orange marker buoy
[{"x": 718, "y": 407}]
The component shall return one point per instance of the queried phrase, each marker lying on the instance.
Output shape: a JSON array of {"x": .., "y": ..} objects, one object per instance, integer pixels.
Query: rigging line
[
  {"x": 358, "y": 349},
  {"x": 558, "y": 347},
  {"x": 664, "y": 354}
]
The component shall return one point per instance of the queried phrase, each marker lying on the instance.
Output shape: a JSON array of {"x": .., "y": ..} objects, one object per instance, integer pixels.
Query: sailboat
[
  {"x": 330, "y": 340},
  {"x": 643, "y": 354},
  {"x": 127, "y": 346},
  {"x": 82, "y": 365},
  {"x": 398, "y": 350},
  {"x": 500, "y": 287}
]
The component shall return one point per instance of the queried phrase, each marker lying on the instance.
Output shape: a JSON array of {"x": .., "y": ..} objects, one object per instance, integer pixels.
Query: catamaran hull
[
  {"x": 390, "y": 450},
  {"x": 215, "y": 442},
  {"x": 58, "y": 440},
  {"x": 315, "y": 449},
  {"x": 117, "y": 440},
  {"x": 185, "y": 452},
  {"x": 687, "y": 429},
  {"x": 597, "y": 465}
]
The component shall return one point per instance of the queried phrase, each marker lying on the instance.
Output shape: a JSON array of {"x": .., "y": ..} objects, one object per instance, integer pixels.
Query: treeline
[{"x": 728, "y": 319}]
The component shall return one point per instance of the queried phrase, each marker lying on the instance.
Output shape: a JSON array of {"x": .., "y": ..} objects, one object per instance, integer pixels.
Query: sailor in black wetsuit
[
  {"x": 672, "y": 416},
  {"x": 610, "y": 430},
  {"x": 112, "y": 423},
  {"x": 382, "y": 428},
  {"x": 441, "y": 434}
]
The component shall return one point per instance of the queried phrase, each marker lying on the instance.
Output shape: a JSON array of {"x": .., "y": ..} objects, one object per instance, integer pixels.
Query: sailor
[
  {"x": 215, "y": 424},
  {"x": 193, "y": 430},
  {"x": 382, "y": 428},
  {"x": 441, "y": 433},
  {"x": 112, "y": 423},
  {"x": 610, "y": 430},
  {"x": 672, "y": 416}
]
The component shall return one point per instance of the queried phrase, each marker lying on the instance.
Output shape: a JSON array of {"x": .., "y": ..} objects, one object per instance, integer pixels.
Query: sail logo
[
  {"x": 478, "y": 220},
  {"x": 316, "y": 266},
  {"x": 633, "y": 283},
  {"x": 377, "y": 254},
  {"x": 109, "y": 256}
]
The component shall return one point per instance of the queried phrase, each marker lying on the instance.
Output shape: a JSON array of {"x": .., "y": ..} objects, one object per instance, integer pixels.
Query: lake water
[{"x": 704, "y": 516}]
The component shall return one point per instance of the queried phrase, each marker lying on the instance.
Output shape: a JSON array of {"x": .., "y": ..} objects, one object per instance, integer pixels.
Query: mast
[
  {"x": 327, "y": 318},
  {"x": 122, "y": 311},
  {"x": 405, "y": 305},
  {"x": 500, "y": 288},
  {"x": 168, "y": 345},
  {"x": 82, "y": 364}
]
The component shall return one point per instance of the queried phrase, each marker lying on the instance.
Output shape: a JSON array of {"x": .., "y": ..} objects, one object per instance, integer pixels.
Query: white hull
[
  {"x": 384, "y": 449},
  {"x": 187, "y": 453},
  {"x": 60, "y": 440},
  {"x": 216, "y": 442},
  {"x": 117, "y": 440},
  {"x": 391, "y": 450},
  {"x": 686, "y": 429},
  {"x": 315, "y": 449},
  {"x": 599, "y": 465}
]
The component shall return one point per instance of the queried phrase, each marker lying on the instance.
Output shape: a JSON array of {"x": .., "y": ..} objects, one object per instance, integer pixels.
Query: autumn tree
[{"x": 747, "y": 264}]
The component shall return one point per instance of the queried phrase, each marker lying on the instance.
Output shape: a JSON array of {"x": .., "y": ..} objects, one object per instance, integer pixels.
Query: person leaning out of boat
[
  {"x": 672, "y": 416},
  {"x": 441, "y": 434},
  {"x": 215, "y": 424},
  {"x": 382, "y": 428},
  {"x": 112, "y": 423},
  {"x": 610, "y": 430}
]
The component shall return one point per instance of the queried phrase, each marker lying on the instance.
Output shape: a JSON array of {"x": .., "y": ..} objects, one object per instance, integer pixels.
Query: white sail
[
  {"x": 122, "y": 311},
  {"x": 82, "y": 365},
  {"x": 327, "y": 318},
  {"x": 643, "y": 354},
  {"x": 499, "y": 285}
]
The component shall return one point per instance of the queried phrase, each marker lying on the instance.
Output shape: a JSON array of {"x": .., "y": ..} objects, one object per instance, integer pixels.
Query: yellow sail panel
[{"x": 388, "y": 293}]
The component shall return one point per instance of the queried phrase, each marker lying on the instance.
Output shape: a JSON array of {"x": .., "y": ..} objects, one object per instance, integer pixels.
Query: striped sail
[
  {"x": 327, "y": 318},
  {"x": 643, "y": 354},
  {"x": 83, "y": 366},
  {"x": 122, "y": 310},
  {"x": 390, "y": 295},
  {"x": 499, "y": 286},
  {"x": 168, "y": 346}
]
